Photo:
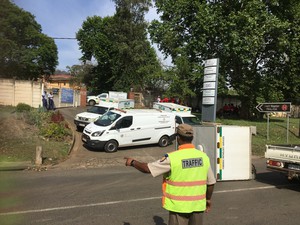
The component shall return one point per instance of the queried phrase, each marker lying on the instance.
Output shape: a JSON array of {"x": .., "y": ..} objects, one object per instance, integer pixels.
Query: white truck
[
  {"x": 95, "y": 99},
  {"x": 284, "y": 159},
  {"x": 120, "y": 128},
  {"x": 183, "y": 113},
  {"x": 105, "y": 104}
]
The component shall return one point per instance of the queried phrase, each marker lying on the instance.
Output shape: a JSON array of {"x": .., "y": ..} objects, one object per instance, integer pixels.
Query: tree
[
  {"x": 249, "y": 37},
  {"x": 124, "y": 57},
  {"x": 25, "y": 52},
  {"x": 80, "y": 74}
]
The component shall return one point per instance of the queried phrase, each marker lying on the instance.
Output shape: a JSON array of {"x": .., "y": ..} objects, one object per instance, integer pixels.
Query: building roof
[{"x": 60, "y": 77}]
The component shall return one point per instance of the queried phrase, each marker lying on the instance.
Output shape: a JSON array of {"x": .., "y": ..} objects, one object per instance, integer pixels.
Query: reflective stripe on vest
[{"x": 184, "y": 190}]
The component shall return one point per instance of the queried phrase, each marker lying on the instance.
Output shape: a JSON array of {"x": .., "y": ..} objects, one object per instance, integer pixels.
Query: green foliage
[
  {"x": 51, "y": 125},
  {"x": 55, "y": 128},
  {"x": 38, "y": 117},
  {"x": 256, "y": 41},
  {"x": 119, "y": 44},
  {"x": 25, "y": 52},
  {"x": 54, "y": 131},
  {"x": 22, "y": 107}
]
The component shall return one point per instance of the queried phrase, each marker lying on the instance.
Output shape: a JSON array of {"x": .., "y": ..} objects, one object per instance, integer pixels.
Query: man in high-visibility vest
[{"x": 188, "y": 180}]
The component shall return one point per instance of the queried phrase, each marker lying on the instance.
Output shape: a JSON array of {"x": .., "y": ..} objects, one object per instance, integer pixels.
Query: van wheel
[
  {"x": 92, "y": 102},
  {"x": 111, "y": 146},
  {"x": 163, "y": 141}
]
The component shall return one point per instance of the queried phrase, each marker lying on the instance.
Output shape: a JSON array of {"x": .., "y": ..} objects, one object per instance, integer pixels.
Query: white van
[
  {"x": 105, "y": 104},
  {"x": 119, "y": 128},
  {"x": 183, "y": 113}
]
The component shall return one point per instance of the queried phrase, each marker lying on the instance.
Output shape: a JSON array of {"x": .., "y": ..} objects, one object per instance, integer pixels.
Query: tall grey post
[{"x": 210, "y": 90}]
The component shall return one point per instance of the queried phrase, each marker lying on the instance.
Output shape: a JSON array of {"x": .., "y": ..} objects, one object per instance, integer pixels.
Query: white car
[
  {"x": 94, "y": 99},
  {"x": 92, "y": 114}
]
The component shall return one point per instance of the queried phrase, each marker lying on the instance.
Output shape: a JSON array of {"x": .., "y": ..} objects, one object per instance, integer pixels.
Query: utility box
[{"x": 229, "y": 150}]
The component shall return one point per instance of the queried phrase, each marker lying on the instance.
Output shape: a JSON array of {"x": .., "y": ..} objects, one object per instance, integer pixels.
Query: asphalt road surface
[
  {"x": 94, "y": 187},
  {"x": 121, "y": 195}
]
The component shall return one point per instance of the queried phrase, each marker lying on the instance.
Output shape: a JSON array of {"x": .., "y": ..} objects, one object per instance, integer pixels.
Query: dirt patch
[{"x": 19, "y": 140}]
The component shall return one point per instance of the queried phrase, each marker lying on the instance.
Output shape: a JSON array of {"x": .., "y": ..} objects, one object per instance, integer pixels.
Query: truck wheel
[
  {"x": 92, "y": 102},
  {"x": 111, "y": 146},
  {"x": 164, "y": 141}
]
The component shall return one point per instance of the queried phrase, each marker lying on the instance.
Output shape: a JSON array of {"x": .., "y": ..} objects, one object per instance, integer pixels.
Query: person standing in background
[
  {"x": 44, "y": 100},
  {"x": 158, "y": 99},
  {"x": 50, "y": 101}
]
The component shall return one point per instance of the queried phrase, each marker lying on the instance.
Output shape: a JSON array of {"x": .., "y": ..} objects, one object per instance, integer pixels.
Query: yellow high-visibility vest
[{"x": 184, "y": 188}]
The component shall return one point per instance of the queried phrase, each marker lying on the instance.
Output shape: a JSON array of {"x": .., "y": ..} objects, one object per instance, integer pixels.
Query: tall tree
[
  {"x": 25, "y": 52},
  {"x": 248, "y": 37},
  {"x": 124, "y": 56}
]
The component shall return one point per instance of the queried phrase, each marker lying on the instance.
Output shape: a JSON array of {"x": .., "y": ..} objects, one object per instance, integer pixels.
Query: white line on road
[{"x": 132, "y": 200}]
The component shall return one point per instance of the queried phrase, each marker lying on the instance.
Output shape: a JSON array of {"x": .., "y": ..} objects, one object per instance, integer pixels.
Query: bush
[
  {"x": 51, "y": 124},
  {"x": 38, "y": 117},
  {"x": 54, "y": 131},
  {"x": 57, "y": 117},
  {"x": 22, "y": 107}
]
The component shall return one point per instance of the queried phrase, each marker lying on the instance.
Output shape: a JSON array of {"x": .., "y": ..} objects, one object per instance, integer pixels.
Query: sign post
[
  {"x": 275, "y": 107},
  {"x": 210, "y": 90}
]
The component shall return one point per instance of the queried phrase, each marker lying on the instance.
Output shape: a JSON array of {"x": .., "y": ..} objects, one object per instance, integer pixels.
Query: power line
[{"x": 64, "y": 38}]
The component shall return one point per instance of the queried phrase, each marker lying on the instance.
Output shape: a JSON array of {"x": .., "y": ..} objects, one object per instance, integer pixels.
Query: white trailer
[
  {"x": 95, "y": 99},
  {"x": 284, "y": 159},
  {"x": 228, "y": 148}
]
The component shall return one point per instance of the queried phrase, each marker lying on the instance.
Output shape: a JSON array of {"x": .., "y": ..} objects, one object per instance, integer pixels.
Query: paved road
[
  {"x": 108, "y": 193},
  {"x": 121, "y": 195}
]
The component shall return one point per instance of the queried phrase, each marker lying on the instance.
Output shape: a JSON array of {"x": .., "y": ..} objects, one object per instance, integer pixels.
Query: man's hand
[{"x": 128, "y": 161}]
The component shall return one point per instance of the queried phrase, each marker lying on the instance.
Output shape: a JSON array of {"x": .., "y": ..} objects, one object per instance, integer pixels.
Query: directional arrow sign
[{"x": 274, "y": 107}]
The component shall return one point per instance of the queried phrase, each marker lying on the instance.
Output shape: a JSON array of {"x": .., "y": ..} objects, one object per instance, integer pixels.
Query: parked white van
[{"x": 120, "y": 128}]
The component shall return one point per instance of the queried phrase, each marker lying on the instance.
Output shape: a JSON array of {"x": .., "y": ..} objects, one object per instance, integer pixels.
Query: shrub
[
  {"x": 57, "y": 117},
  {"x": 38, "y": 117},
  {"x": 54, "y": 131},
  {"x": 22, "y": 107},
  {"x": 51, "y": 124}
]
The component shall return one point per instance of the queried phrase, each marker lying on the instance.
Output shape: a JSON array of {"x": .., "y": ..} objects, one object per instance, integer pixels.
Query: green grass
[{"x": 277, "y": 132}]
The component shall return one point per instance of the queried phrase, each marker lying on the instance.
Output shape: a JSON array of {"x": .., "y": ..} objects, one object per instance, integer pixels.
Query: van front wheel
[
  {"x": 163, "y": 141},
  {"x": 111, "y": 146}
]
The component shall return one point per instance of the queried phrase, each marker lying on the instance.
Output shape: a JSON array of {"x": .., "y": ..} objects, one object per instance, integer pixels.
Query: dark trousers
[
  {"x": 51, "y": 104},
  {"x": 194, "y": 218}
]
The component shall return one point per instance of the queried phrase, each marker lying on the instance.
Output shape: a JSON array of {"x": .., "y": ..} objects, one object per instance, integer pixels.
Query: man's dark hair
[{"x": 186, "y": 139}]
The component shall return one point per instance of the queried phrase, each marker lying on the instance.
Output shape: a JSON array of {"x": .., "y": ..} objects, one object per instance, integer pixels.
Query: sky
[{"x": 63, "y": 19}]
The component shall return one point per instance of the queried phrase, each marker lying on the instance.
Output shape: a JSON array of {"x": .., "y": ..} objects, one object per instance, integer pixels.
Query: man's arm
[
  {"x": 143, "y": 167},
  {"x": 209, "y": 192}
]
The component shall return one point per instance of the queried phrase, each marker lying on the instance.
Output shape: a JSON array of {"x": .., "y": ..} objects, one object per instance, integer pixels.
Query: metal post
[
  {"x": 287, "y": 127},
  {"x": 268, "y": 124}
]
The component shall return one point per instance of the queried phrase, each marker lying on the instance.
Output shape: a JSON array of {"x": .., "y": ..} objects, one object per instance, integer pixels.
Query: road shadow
[
  {"x": 278, "y": 180},
  {"x": 148, "y": 146},
  {"x": 158, "y": 220}
]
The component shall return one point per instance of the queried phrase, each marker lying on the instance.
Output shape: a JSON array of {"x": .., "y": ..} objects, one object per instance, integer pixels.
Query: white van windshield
[
  {"x": 191, "y": 120},
  {"x": 98, "y": 109},
  {"x": 107, "y": 119}
]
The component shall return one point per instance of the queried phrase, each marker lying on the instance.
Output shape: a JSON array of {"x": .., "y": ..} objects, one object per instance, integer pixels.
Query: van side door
[{"x": 123, "y": 131}]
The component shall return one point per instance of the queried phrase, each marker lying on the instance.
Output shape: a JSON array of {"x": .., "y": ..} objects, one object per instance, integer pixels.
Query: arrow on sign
[{"x": 274, "y": 107}]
